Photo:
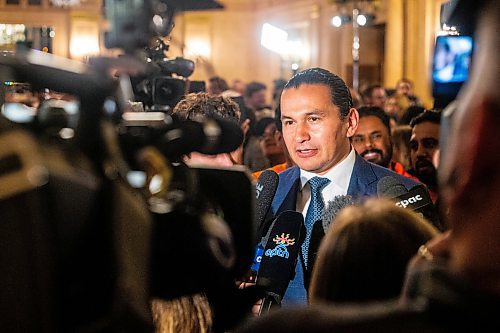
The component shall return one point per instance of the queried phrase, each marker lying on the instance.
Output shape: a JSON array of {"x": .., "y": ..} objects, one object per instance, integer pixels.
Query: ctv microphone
[
  {"x": 264, "y": 193},
  {"x": 416, "y": 199},
  {"x": 280, "y": 257},
  {"x": 265, "y": 189}
]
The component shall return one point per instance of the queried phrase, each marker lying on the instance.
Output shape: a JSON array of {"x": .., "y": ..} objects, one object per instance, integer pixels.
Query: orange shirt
[{"x": 277, "y": 168}]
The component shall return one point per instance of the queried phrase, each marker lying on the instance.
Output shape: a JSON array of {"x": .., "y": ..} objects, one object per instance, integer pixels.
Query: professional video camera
[
  {"x": 84, "y": 250},
  {"x": 158, "y": 89}
]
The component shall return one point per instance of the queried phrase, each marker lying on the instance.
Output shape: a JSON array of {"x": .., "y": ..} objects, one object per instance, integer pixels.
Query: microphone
[
  {"x": 264, "y": 193},
  {"x": 417, "y": 198},
  {"x": 333, "y": 208},
  {"x": 320, "y": 229},
  {"x": 265, "y": 189},
  {"x": 280, "y": 257}
]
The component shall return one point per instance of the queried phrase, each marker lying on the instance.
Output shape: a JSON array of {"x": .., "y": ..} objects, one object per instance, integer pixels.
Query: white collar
[{"x": 339, "y": 175}]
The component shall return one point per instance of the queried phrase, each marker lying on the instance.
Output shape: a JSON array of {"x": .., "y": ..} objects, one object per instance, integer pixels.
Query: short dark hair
[
  {"x": 375, "y": 111},
  {"x": 340, "y": 95},
  {"x": 253, "y": 87},
  {"x": 431, "y": 116},
  {"x": 410, "y": 113}
]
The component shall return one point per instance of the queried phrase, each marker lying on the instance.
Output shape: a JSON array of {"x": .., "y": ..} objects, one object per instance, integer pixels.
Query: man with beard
[
  {"x": 372, "y": 139},
  {"x": 424, "y": 145}
]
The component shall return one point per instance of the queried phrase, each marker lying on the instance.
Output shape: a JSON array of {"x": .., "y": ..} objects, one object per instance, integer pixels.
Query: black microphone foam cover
[
  {"x": 390, "y": 187},
  {"x": 265, "y": 189},
  {"x": 333, "y": 207},
  {"x": 281, "y": 252}
]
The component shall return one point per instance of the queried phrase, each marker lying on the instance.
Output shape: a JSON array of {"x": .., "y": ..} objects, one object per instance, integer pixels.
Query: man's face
[
  {"x": 372, "y": 141},
  {"x": 404, "y": 88},
  {"x": 258, "y": 100},
  {"x": 268, "y": 143},
  {"x": 424, "y": 144},
  {"x": 315, "y": 136},
  {"x": 378, "y": 97}
]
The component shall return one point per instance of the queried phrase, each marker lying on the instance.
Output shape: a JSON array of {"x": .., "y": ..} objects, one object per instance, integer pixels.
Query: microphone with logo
[
  {"x": 416, "y": 199},
  {"x": 264, "y": 193},
  {"x": 279, "y": 258}
]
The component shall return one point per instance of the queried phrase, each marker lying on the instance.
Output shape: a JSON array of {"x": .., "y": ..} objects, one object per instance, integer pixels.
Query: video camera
[{"x": 83, "y": 249}]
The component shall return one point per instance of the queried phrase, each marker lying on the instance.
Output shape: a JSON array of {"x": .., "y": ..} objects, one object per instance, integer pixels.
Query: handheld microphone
[
  {"x": 264, "y": 193},
  {"x": 265, "y": 189},
  {"x": 417, "y": 198},
  {"x": 320, "y": 229},
  {"x": 280, "y": 257}
]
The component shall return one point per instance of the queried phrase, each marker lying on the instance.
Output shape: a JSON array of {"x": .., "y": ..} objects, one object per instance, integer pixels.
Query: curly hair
[{"x": 196, "y": 105}]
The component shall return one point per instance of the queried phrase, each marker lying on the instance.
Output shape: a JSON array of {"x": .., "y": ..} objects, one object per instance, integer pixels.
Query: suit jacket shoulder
[{"x": 365, "y": 177}]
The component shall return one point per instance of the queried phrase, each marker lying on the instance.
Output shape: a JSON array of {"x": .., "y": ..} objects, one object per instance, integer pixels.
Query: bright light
[
  {"x": 273, "y": 38},
  {"x": 361, "y": 20},
  {"x": 295, "y": 66},
  {"x": 198, "y": 47},
  {"x": 83, "y": 46},
  {"x": 337, "y": 21}
]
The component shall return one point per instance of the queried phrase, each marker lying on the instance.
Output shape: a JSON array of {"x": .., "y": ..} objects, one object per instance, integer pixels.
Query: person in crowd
[
  {"x": 278, "y": 137},
  {"x": 372, "y": 139},
  {"x": 272, "y": 150},
  {"x": 375, "y": 95},
  {"x": 364, "y": 254},
  {"x": 404, "y": 87},
  {"x": 411, "y": 112},
  {"x": 456, "y": 286},
  {"x": 196, "y": 106},
  {"x": 318, "y": 121},
  {"x": 395, "y": 106},
  {"x": 401, "y": 135},
  {"x": 255, "y": 98},
  {"x": 216, "y": 86},
  {"x": 424, "y": 144},
  {"x": 238, "y": 86}
]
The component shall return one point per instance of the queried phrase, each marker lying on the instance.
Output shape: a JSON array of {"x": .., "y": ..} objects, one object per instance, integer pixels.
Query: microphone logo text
[
  {"x": 405, "y": 203},
  {"x": 281, "y": 248}
]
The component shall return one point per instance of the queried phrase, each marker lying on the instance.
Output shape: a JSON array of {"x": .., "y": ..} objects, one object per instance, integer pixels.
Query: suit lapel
[
  {"x": 363, "y": 180},
  {"x": 286, "y": 194}
]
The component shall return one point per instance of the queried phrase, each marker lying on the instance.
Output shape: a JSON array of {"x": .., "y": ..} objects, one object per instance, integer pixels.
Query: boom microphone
[
  {"x": 416, "y": 199},
  {"x": 280, "y": 256}
]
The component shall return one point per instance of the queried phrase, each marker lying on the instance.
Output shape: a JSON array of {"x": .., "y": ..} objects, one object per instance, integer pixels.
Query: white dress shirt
[{"x": 339, "y": 176}]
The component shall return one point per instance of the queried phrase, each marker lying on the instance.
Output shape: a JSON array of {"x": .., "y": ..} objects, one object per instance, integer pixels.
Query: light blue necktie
[{"x": 314, "y": 212}]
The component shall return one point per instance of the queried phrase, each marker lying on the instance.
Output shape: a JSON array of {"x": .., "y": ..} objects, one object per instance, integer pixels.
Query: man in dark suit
[
  {"x": 318, "y": 120},
  {"x": 455, "y": 285}
]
